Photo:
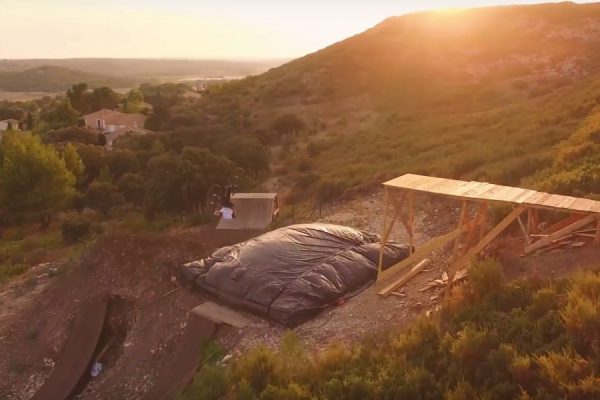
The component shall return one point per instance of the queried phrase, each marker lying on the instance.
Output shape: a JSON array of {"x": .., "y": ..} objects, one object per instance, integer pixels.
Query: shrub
[
  {"x": 75, "y": 229},
  {"x": 258, "y": 368},
  {"x": 485, "y": 277},
  {"x": 9, "y": 270}
]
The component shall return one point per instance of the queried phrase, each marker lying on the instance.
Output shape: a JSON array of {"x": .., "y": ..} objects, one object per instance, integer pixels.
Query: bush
[{"x": 75, "y": 229}]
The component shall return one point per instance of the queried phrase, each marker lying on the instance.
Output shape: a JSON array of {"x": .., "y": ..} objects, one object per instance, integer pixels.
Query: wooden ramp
[
  {"x": 179, "y": 371},
  {"x": 221, "y": 314},
  {"x": 252, "y": 211},
  {"x": 76, "y": 356},
  {"x": 470, "y": 237}
]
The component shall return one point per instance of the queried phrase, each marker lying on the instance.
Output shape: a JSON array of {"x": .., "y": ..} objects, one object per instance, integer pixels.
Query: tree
[
  {"x": 30, "y": 121},
  {"x": 133, "y": 188},
  {"x": 164, "y": 185},
  {"x": 62, "y": 115},
  {"x": 73, "y": 162},
  {"x": 92, "y": 158},
  {"x": 104, "y": 97},
  {"x": 199, "y": 170},
  {"x": 133, "y": 101},
  {"x": 248, "y": 153},
  {"x": 288, "y": 125},
  {"x": 34, "y": 180},
  {"x": 105, "y": 176},
  {"x": 71, "y": 134},
  {"x": 120, "y": 162},
  {"x": 103, "y": 197},
  {"x": 80, "y": 98}
]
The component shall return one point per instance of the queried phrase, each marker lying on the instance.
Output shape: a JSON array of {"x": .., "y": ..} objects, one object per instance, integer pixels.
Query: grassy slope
[{"x": 484, "y": 94}]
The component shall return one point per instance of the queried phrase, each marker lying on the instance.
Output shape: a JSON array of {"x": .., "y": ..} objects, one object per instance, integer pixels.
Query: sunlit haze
[{"x": 234, "y": 29}]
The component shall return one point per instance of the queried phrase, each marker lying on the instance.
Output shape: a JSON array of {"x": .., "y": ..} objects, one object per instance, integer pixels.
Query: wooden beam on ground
[
  {"x": 562, "y": 223},
  {"x": 561, "y": 233},
  {"x": 392, "y": 285},
  {"x": 418, "y": 255}
]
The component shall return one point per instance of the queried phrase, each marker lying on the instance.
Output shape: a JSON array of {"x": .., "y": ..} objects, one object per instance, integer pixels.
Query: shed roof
[{"x": 483, "y": 191}]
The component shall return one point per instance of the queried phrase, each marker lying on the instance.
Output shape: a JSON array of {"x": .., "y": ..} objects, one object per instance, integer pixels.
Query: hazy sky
[{"x": 193, "y": 28}]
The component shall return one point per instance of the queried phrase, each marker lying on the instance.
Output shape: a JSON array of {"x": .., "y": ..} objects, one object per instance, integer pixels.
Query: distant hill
[
  {"x": 483, "y": 93},
  {"x": 55, "y": 79},
  {"x": 148, "y": 68}
]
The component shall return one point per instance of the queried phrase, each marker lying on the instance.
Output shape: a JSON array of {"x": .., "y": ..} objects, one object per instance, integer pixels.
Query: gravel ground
[{"x": 367, "y": 313}]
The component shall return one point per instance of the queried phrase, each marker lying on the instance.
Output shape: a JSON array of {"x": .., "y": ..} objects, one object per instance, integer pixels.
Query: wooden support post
[
  {"x": 523, "y": 229},
  {"x": 383, "y": 234},
  {"x": 529, "y": 223},
  {"x": 411, "y": 228},
  {"x": 483, "y": 220},
  {"x": 461, "y": 222},
  {"x": 592, "y": 218},
  {"x": 597, "y": 237},
  {"x": 419, "y": 254}
]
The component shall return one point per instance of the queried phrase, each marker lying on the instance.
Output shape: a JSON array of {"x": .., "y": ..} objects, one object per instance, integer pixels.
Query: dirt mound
[{"x": 139, "y": 270}]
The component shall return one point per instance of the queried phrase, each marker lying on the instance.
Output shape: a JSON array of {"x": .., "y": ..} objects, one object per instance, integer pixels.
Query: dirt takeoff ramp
[
  {"x": 179, "y": 371},
  {"x": 76, "y": 356},
  {"x": 252, "y": 211}
]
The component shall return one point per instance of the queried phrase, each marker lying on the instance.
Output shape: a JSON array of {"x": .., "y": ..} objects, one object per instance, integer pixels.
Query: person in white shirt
[{"x": 226, "y": 212}]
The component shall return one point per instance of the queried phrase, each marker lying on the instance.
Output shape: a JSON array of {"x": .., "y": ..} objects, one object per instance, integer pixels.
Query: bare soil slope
[{"x": 139, "y": 269}]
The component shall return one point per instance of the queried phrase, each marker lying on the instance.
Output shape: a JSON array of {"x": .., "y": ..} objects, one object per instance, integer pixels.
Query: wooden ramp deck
[
  {"x": 76, "y": 356},
  {"x": 470, "y": 238},
  {"x": 489, "y": 192},
  {"x": 221, "y": 314}
]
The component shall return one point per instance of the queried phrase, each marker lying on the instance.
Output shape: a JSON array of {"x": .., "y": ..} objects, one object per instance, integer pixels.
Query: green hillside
[
  {"x": 484, "y": 93},
  {"x": 54, "y": 79}
]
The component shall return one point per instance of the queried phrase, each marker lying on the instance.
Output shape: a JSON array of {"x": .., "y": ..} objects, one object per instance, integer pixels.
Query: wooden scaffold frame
[{"x": 469, "y": 238}]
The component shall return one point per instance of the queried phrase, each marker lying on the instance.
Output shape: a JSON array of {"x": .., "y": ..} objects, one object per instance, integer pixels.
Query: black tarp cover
[{"x": 290, "y": 274}]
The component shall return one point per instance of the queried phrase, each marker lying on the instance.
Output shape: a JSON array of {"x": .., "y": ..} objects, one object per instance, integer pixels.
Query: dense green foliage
[
  {"x": 34, "y": 180},
  {"x": 54, "y": 79},
  {"x": 519, "y": 340}
]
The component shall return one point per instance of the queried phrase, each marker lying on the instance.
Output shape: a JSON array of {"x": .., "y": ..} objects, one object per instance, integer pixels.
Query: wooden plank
[
  {"x": 392, "y": 285},
  {"x": 419, "y": 254},
  {"x": 490, "y": 192},
  {"x": 562, "y": 223},
  {"x": 220, "y": 314},
  {"x": 561, "y": 232},
  {"x": 582, "y": 204}
]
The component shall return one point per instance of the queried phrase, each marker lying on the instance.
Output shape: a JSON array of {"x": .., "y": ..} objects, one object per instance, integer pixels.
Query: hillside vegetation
[
  {"x": 521, "y": 340},
  {"x": 486, "y": 94},
  {"x": 55, "y": 79}
]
